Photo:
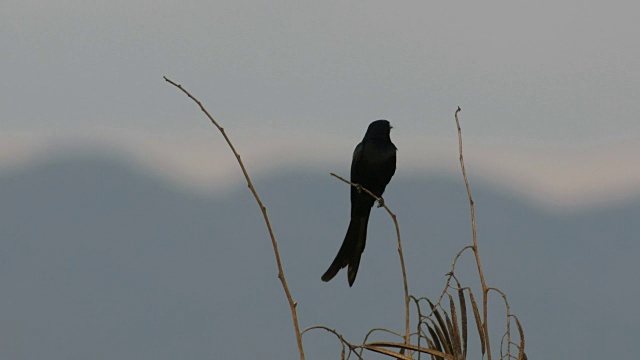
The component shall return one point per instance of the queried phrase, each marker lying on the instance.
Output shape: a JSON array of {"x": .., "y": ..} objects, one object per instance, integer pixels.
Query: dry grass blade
[
  {"x": 476, "y": 314},
  {"x": 432, "y": 346},
  {"x": 463, "y": 312},
  {"x": 445, "y": 339},
  {"x": 386, "y": 352},
  {"x": 434, "y": 336},
  {"x": 383, "y": 344},
  {"x": 452, "y": 336},
  {"x": 456, "y": 331},
  {"x": 521, "y": 355}
]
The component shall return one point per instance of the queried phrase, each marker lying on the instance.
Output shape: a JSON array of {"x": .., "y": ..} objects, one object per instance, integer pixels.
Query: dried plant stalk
[
  {"x": 400, "y": 253},
  {"x": 475, "y": 239},
  {"x": 274, "y": 243}
]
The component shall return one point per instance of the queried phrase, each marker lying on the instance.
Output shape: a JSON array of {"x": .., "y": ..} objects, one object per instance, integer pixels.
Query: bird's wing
[
  {"x": 357, "y": 154},
  {"x": 356, "y": 162}
]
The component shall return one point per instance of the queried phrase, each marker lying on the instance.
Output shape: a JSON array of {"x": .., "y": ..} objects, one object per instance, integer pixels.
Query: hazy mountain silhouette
[{"x": 101, "y": 260}]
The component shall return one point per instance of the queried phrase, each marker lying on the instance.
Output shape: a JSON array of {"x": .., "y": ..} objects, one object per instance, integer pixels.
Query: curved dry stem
[
  {"x": 521, "y": 354},
  {"x": 508, "y": 309},
  {"x": 370, "y": 332},
  {"x": 450, "y": 275},
  {"x": 502, "y": 345},
  {"x": 400, "y": 252},
  {"x": 475, "y": 239},
  {"x": 292, "y": 304},
  {"x": 352, "y": 348}
]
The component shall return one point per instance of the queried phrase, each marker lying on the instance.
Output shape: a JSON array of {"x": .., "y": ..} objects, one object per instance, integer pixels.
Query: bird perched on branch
[{"x": 372, "y": 166}]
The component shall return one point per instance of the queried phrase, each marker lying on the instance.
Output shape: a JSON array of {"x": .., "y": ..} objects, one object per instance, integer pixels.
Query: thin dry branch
[
  {"x": 292, "y": 304},
  {"x": 475, "y": 241},
  {"x": 444, "y": 335},
  {"x": 509, "y": 316},
  {"x": 343, "y": 342},
  {"x": 451, "y": 274},
  {"x": 370, "y": 332},
  {"x": 521, "y": 354},
  {"x": 400, "y": 252}
]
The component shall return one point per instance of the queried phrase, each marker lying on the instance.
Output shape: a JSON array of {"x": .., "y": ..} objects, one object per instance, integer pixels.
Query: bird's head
[{"x": 378, "y": 129}]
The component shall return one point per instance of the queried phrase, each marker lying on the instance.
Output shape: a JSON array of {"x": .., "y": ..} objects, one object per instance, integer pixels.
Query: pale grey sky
[
  {"x": 547, "y": 74},
  {"x": 541, "y": 71}
]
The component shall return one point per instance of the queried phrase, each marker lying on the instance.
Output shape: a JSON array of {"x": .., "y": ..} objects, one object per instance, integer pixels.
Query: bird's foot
[
  {"x": 359, "y": 188},
  {"x": 380, "y": 202}
]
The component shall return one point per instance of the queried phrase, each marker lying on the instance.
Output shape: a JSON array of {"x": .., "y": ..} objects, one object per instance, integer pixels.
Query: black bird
[{"x": 373, "y": 165}]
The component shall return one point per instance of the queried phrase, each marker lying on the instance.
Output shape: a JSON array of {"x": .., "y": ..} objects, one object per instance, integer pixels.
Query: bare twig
[
  {"x": 400, "y": 253},
  {"x": 451, "y": 274},
  {"x": 521, "y": 354},
  {"x": 370, "y": 332},
  {"x": 343, "y": 342},
  {"x": 509, "y": 316},
  {"x": 475, "y": 241},
  {"x": 292, "y": 304}
]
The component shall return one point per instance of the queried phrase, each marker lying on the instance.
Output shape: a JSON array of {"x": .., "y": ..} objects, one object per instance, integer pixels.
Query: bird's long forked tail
[{"x": 350, "y": 251}]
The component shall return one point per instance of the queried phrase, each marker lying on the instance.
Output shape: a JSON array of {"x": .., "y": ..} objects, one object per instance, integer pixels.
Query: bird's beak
[{"x": 390, "y": 127}]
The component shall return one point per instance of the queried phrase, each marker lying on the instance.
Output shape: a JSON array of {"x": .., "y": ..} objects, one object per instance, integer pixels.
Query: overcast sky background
[{"x": 548, "y": 89}]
